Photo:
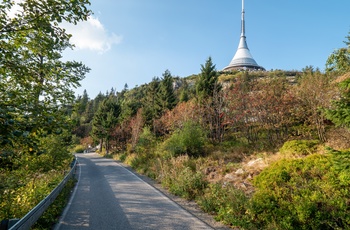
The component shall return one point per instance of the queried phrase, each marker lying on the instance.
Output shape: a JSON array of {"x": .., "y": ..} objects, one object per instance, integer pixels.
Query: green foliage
[
  {"x": 167, "y": 98},
  {"x": 340, "y": 115},
  {"x": 35, "y": 84},
  {"x": 150, "y": 102},
  {"x": 188, "y": 184},
  {"x": 185, "y": 92},
  {"x": 299, "y": 147},
  {"x": 309, "y": 193},
  {"x": 190, "y": 140},
  {"x": 123, "y": 157},
  {"x": 339, "y": 61},
  {"x": 146, "y": 140},
  {"x": 207, "y": 84},
  {"x": 50, "y": 216},
  {"x": 16, "y": 202},
  {"x": 79, "y": 149},
  {"x": 228, "y": 204},
  {"x": 105, "y": 120}
]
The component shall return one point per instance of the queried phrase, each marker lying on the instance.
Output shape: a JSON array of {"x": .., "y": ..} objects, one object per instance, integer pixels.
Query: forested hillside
[{"x": 259, "y": 150}]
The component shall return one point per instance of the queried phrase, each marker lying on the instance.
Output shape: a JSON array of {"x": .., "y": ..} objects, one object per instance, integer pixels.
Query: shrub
[
  {"x": 229, "y": 204},
  {"x": 309, "y": 193},
  {"x": 79, "y": 149},
  {"x": 146, "y": 141},
  {"x": 122, "y": 157},
  {"x": 189, "y": 184},
  {"x": 181, "y": 176},
  {"x": 299, "y": 147},
  {"x": 188, "y": 140},
  {"x": 50, "y": 216}
]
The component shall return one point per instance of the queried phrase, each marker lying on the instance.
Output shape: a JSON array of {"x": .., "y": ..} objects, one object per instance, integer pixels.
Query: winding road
[{"x": 109, "y": 196}]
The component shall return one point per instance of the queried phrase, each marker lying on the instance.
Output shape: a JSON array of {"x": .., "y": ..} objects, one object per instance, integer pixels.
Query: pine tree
[
  {"x": 184, "y": 95},
  {"x": 151, "y": 107},
  {"x": 167, "y": 98},
  {"x": 105, "y": 120},
  {"x": 207, "y": 85},
  {"x": 210, "y": 99}
]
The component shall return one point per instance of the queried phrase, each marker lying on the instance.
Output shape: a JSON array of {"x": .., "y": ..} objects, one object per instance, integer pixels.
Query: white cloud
[{"x": 92, "y": 35}]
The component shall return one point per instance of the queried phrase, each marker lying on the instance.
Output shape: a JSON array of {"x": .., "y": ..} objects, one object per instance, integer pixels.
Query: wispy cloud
[
  {"x": 86, "y": 35},
  {"x": 92, "y": 35}
]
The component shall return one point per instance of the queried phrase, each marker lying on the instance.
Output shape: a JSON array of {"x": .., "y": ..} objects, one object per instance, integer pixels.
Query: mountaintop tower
[{"x": 243, "y": 60}]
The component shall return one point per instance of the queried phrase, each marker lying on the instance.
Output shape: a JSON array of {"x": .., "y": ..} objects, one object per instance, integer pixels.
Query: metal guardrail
[{"x": 31, "y": 217}]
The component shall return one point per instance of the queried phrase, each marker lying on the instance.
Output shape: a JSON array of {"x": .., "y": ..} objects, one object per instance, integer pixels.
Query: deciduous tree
[{"x": 35, "y": 83}]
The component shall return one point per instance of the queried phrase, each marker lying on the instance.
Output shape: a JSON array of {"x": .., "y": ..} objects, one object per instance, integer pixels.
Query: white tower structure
[{"x": 243, "y": 60}]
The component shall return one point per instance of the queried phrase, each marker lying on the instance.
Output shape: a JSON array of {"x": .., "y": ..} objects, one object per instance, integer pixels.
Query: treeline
[{"x": 264, "y": 108}]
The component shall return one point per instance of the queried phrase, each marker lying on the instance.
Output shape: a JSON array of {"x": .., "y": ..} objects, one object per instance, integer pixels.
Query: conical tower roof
[{"x": 243, "y": 59}]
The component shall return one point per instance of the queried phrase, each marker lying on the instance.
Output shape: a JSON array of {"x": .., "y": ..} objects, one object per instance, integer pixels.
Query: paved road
[{"x": 108, "y": 196}]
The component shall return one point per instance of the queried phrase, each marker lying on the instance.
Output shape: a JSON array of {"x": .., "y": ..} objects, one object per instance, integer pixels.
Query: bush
[
  {"x": 309, "y": 193},
  {"x": 79, "y": 149},
  {"x": 189, "y": 184},
  {"x": 189, "y": 140},
  {"x": 50, "y": 216},
  {"x": 229, "y": 204},
  {"x": 146, "y": 141},
  {"x": 299, "y": 147}
]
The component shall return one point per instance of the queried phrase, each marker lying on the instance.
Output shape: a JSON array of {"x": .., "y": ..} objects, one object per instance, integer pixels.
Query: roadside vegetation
[
  {"x": 36, "y": 102},
  {"x": 258, "y": 150}
]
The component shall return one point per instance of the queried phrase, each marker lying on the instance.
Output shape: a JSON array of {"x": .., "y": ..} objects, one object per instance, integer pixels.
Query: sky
[{"x": 132, "y": 41}]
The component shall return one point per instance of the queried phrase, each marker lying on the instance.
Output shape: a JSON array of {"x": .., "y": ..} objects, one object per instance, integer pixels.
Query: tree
[
  {"x": 315, "y": 93},
  {"x": 210, "y": 98},
  {"x": 167, "y": 97},
  {"x": 339, "y": 60},
  {"x": 151, "y": 108},
  {"x": 207, "y": 84},
  {"x": 105, "y": 120},
  {"x": 35, "y": 83},
  {"x": 184, "y": 95},
  {"x": 340, "y": 113}
]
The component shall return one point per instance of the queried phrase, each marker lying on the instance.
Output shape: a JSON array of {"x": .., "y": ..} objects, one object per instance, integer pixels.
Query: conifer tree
[
  {"x": 151, "y": 107},
  {"x": 207, "y": 84},
  {"x": 184, "y": 95},
  {"x": 167, "y": 98},
  {"x": 105, "y": 120},
  {"x": 209, "y": 97}
]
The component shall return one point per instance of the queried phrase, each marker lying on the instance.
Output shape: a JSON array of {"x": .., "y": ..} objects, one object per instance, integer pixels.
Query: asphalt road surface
[{"x": 109, "y": 196}]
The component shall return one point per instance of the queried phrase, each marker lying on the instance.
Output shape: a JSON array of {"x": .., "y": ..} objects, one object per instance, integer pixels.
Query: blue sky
[{"x": 132, "y": 41}]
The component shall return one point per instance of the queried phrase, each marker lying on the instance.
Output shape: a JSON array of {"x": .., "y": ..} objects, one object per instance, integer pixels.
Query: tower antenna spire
[
  {"x": 243, "y": 22},
  {"x": 243, "y": 59}
]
